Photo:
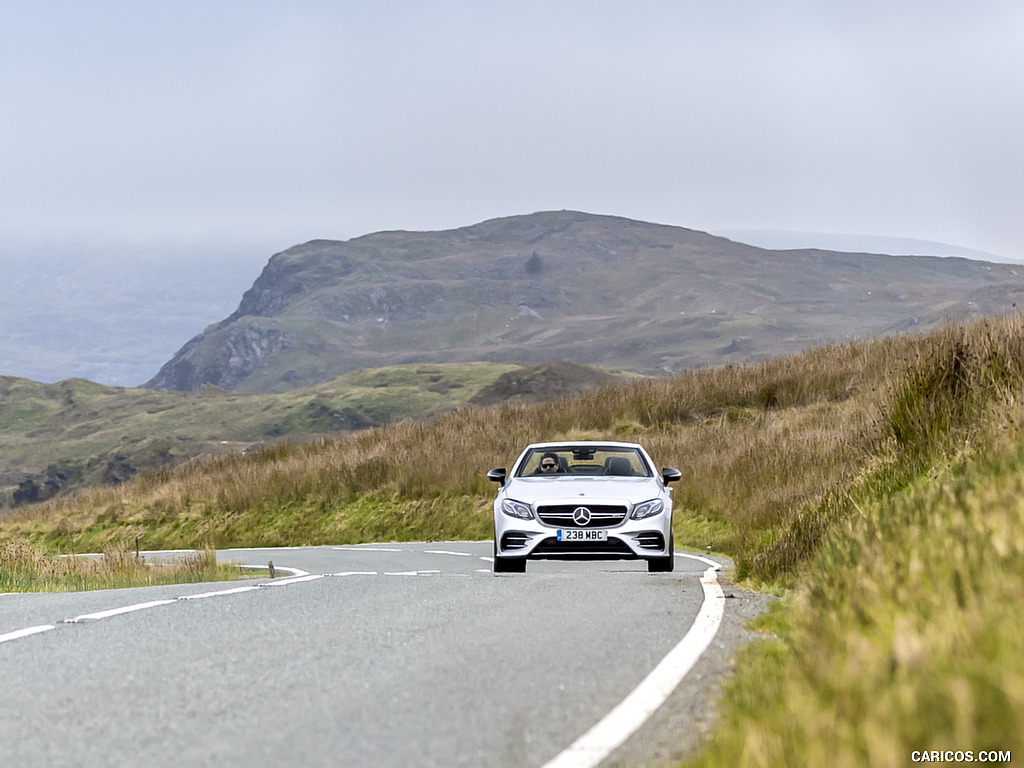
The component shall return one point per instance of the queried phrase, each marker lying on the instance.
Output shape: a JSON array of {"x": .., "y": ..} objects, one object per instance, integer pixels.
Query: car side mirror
[
  {"x": 498, "y": 475},
  {"x": 670, "y": 475}
]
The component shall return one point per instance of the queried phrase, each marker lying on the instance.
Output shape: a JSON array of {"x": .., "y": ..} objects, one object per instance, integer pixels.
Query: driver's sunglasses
[{"x": 548, "y": 465}]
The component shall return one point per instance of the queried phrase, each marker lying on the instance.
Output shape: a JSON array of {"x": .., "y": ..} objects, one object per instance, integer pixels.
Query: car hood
[{"x": 536, "y": 490}]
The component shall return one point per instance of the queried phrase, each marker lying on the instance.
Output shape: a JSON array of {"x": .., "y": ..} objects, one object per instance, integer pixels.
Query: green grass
[{"x": 905, "y": 633}]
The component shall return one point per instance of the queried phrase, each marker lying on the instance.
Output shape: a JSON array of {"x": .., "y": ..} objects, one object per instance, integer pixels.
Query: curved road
[{"x": 374, "y": 655}]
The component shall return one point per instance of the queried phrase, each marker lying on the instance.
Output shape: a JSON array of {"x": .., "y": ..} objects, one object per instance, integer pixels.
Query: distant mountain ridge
[
  {"x": 566, "y": 285},
  {"x": 777, "y": 239}
]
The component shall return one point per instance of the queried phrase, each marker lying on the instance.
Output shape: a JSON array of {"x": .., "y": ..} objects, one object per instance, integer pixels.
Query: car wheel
[
  {"x": 664, "y": 564},
  {"x": 508, "y": 564}
]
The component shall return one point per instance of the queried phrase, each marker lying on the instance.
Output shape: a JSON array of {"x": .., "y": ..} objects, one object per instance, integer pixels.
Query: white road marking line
[
  {"x": 204, "y": 595},
  {"x": 365, "y": 549},
  {"x": 706, "y": 560},
  {"x": 410, "y": 573},
  {"x": 117, "y": 611},
  {"x": 99, "y": 615},
  {"x": 18, "y": 633},
  {"x": 623, "y": 721},
  {"x": 446, "y": 552},
  {"x": 295, "y": 580}
]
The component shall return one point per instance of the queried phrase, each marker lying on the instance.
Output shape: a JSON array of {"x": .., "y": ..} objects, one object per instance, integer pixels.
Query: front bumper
[{"x": 632, "y": 540}]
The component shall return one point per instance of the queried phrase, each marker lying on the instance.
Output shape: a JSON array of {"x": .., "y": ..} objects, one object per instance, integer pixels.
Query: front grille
[
  {"x": 601, "y": 515},
  {"x": 651, "y": 540},
  {"x": 613, "y": 549}
]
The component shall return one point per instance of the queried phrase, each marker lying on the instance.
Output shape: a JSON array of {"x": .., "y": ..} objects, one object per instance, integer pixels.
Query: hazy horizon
[{"x": 276, "y": 123}]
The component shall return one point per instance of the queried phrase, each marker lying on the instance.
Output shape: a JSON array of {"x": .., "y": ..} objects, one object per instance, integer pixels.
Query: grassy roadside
[
  {"x": 904, "y": 631},
  {"x": 24, "y": 568}
]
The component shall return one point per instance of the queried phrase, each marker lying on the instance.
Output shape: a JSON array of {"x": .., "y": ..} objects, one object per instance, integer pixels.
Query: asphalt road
[{"x": 383, "y": 655}]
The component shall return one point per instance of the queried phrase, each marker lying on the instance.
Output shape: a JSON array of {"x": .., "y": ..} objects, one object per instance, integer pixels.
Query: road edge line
[
  {"x": 19, "y": 633},
  {"x": 634, "y": 710}
]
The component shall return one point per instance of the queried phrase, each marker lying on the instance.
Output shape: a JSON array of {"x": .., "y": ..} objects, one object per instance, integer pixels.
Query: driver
[{"x": 548, "y": 465}]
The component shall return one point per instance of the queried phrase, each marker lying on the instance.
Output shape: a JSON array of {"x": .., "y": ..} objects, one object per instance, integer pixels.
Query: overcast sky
[{"x": 278, "y": 122}]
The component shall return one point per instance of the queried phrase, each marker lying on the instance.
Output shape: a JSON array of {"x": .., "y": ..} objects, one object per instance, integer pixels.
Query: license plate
[{"x": 581, "y": 534}]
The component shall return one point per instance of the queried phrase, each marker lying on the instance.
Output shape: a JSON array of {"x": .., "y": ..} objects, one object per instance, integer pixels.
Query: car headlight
[
  {"x": 647, "y": 509},
  {"x": 517, "y": 509}
]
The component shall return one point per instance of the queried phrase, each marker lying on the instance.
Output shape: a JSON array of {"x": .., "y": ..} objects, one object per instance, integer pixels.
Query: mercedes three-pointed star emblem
[{"x": 581, "y": 516}]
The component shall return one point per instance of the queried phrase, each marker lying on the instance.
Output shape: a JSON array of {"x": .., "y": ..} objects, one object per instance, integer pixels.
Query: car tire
[
  {"x": 663, "y": 564},
  {"x": 508, "y": 564}
]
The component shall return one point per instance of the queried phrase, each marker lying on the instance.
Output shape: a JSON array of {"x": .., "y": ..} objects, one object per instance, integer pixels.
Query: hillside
[
  {"x": 56, "y": 439},
  {"x": 602, "y": 290}
]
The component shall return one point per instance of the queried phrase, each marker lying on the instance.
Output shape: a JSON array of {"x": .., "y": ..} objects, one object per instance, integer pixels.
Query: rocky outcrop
[
  {"x": 222, "y": 356},
  {"x": 288, "y": 277},
  {"x": 40, "y": 487}
]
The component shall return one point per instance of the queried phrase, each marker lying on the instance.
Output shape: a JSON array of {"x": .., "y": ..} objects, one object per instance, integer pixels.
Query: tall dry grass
[
  {"x": 904, "y": 633},
  {"x": 23, "y": 568},
  {"x": 938, "y": 401}
]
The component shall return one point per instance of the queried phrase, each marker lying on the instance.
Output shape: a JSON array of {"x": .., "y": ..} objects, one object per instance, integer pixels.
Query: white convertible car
[{"x": 583, "y": 501}]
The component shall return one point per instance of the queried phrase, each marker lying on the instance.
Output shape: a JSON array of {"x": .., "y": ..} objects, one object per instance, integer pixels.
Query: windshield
[{"x": 562, "y": 461}]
